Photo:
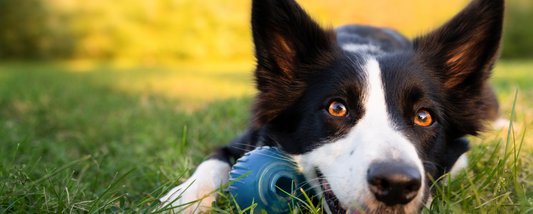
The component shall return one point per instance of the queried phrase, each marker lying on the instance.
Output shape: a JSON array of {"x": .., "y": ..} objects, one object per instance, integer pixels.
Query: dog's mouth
[{"x": 331, "y": 200}]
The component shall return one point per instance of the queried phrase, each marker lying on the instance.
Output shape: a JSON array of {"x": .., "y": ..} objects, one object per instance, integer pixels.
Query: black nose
[{"x": 394, "y": 182}]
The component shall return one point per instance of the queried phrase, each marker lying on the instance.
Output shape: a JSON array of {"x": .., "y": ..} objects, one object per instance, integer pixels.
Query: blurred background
[
  {"x": 155, "y": 31},
  {"x": 155, "y": 85}
]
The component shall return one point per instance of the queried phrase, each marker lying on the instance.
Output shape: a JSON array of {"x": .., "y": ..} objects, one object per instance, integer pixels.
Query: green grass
[{"x": 84, "y": 138}]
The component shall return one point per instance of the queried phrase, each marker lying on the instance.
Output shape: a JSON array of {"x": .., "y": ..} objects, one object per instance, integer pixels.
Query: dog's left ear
[
  {"x": 463, "y": 52},
  {"x": 290, "y": 47}
]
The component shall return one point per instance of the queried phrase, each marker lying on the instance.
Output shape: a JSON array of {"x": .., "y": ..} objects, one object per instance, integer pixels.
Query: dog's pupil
[
  {"x": 339, "y": 108},
  {"x": 423, "y": 116}
]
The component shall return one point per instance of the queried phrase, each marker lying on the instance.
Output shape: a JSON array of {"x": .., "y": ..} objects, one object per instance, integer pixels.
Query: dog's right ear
[{"x": 289, "y": 47}]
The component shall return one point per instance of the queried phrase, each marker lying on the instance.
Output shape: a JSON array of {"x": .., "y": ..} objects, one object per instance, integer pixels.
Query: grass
[{"x": 85, "y": 138}]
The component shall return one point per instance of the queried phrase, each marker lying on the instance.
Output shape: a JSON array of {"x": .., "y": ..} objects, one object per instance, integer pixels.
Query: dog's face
[{"x": 369, "y": 130}]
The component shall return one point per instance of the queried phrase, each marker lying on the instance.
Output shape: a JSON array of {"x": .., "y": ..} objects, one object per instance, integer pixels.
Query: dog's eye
[
  {"x": 423, "y": 118},
  {"x": 337, "y": 109}
]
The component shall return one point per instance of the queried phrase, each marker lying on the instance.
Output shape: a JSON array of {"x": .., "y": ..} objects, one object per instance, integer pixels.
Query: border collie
[{"x": 367, "y": 114}]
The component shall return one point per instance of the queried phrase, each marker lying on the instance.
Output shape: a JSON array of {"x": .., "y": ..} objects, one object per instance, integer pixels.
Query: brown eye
[
  {"x": 423, "y": 118},
  {"x": 337, "y": 109}
]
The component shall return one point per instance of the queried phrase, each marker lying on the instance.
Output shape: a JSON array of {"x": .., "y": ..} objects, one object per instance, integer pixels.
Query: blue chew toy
[{"x": 270, "y": 170}]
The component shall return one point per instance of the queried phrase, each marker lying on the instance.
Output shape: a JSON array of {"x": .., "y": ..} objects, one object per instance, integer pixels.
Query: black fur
[
  {"x": 387, "y": 39},
  {"x": 461, "y": 54},
  {"x": 290, "y": 48},
  {"x": 301, "y": 68}
]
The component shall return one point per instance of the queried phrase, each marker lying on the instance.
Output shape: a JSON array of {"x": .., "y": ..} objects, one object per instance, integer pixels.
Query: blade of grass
[
  {"x": 111, "y": 201},
  {"x": 511, "y": 121},
  {"x": 91, "y": 210},
  {"x": 183, "y": 139},
  {"x": 15, "y": 153},
  {"x": 50, "y": 175},
  {"x": 476, "y": 193},
  {"x": 485, "y": 169},
  {"x": 491, "y": 175},
  {"x": 60, "y": 202},
  {"x": 33, "y": 167},
  {"x": 166, "y": 207},
  {"x": 309, "y": 206},
  {"x": 223, "y": 186}
]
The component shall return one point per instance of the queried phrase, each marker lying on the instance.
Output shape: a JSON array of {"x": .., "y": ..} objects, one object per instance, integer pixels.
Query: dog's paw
[
  {"x": 500, "y": 123},
  {"x": 199, "y": 188},
  {"x": 460, "y": 164}
]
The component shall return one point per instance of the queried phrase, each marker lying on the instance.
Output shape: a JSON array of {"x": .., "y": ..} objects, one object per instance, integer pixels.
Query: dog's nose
[{"x": 394, "y": 182}]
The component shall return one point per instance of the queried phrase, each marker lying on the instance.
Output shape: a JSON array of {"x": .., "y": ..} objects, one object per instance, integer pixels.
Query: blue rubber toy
[{"x": 270, "y": 170}]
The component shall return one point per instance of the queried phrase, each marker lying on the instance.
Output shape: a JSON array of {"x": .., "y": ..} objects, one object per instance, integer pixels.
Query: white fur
[
  {"x": 345, "y": 162},
  {"x": 501, "y": 123},
  {"x": 362, "y": 48},
  {"x": 460, "y": 164},
  {"x": 208, "y": 177}
]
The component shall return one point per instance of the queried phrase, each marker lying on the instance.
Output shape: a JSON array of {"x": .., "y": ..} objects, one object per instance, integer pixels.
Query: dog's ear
[
  {"x": 289, "y": 47},
  {"x": 463, "y": 52}
]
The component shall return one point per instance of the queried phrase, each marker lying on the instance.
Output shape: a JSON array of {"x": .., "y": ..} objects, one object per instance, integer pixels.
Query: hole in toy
[{"x": 285, "y": 184}]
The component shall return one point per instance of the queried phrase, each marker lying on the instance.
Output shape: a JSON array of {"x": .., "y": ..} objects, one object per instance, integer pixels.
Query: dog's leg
[
  {"x": 208, "y": 177},
  {"x": 460, "y": 164}
]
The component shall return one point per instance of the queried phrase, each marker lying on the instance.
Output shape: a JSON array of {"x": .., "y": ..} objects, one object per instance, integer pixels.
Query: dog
[{"x": 369, "y": 115}]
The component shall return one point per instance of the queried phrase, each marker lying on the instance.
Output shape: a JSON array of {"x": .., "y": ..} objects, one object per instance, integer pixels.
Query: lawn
[{"x": 83, "y": 138}]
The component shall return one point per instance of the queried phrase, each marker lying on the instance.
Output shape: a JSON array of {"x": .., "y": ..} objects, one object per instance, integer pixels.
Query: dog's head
[{"x": 367, "y": 130}]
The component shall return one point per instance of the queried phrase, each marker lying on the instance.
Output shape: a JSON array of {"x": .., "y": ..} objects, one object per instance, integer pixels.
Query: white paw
[
  {"x": 460, "y": 164},
  {"x": 208, "y": 177},
  {"x": 500, "y": 123}
]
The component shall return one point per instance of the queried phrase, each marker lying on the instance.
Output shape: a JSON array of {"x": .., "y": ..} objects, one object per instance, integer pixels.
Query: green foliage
[
  {"x": 159, "y": 29},
  {"x": 28, "y": 30},
  {"x": 518, "y": 36},
  {"x": 198, "y": 31}
]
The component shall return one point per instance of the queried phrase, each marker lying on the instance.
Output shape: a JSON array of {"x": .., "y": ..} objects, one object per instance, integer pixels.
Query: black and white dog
[{"x": 368, "y": 114}]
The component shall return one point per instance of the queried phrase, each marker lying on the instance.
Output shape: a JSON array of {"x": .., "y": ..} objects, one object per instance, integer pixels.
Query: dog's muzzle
[{"x": 393, "y": 184}]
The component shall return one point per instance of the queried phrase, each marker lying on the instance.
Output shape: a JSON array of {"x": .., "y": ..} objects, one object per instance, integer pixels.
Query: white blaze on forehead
[
  {"x": 374, "y": 138},
  {"x": 374, "y": 101}
]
